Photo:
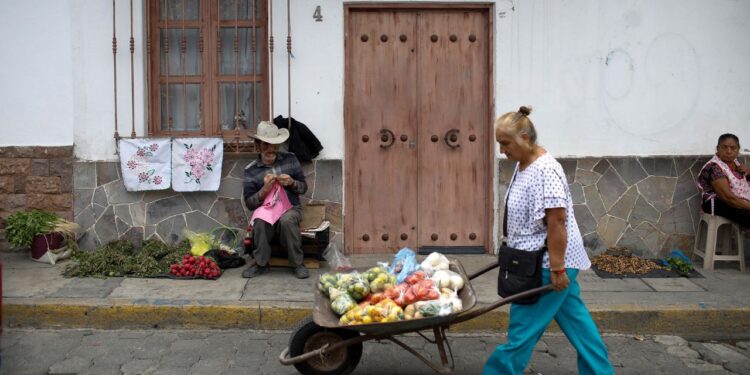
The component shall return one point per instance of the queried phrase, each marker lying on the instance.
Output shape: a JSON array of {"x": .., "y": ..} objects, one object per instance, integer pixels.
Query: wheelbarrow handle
[
  {"x": 284, "y": 357},
  {"x": 286, "y": 360},
  {"x": 484, "y": 270},
  {"x": 476, "y": 311}
]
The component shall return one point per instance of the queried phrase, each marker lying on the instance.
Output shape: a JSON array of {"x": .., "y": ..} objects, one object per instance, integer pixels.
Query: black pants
[{"x": 721, "y": 208}]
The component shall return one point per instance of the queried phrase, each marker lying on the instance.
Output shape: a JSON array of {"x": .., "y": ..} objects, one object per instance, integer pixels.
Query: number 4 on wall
[{"x": 317, "y": 14}]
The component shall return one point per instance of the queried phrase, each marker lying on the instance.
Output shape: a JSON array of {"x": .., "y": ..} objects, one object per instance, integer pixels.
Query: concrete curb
[{"x": 631, "y": 319}]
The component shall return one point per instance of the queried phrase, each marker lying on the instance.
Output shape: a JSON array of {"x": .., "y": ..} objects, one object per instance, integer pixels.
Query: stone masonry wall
[
  {"x": 106, "y": 211},
  {"x": 35, "y": 177},
  {"x": 649, "y": 204}
]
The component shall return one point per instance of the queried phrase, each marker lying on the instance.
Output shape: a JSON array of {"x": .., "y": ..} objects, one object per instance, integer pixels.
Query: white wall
[
  {"x": 36, "y": 84},
  {"x": 627, "y": 77},
  {"x": 605, "y": 77},
  {"x": 93, "y": 72}
]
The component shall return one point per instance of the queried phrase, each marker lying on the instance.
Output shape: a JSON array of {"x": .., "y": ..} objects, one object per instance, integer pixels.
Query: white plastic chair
[{"x": 713, "y": 223}]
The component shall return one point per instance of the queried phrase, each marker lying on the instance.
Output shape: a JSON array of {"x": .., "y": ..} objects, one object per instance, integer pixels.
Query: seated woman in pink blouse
[{"x": 723, "y": 181}]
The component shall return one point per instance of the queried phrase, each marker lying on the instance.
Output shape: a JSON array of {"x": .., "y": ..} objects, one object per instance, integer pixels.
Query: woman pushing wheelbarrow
[{"x": 539, "y": 262}]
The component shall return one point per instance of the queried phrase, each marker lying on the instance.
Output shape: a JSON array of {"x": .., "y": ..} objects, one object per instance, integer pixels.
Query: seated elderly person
[
  {"x": 272, "y": 186},
  {"x": 723, "y": 181}
]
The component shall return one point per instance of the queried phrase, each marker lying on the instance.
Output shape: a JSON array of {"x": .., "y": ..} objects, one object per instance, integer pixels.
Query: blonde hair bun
[{"x": 524, "y": 110}]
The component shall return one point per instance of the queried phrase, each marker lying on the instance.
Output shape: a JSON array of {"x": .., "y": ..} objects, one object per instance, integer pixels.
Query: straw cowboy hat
[{"x": 270, "y": 133}]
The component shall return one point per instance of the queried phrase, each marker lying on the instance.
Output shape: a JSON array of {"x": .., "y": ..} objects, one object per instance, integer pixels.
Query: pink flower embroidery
[
  {"x": 157, "y": 180},
  {"x": 200, "y": 162},
  {"x": 141, "y": 152},
  {"x": 191, "y": 157},
  {"x": 142, "y": 177},
  {"x": 153, "y": 147},
  {"x": 207, "y": 156},
  {"x": 132, "y": 164}
]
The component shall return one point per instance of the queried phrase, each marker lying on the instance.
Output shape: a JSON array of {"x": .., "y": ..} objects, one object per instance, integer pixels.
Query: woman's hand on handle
[{"x": 559, "y": 280}]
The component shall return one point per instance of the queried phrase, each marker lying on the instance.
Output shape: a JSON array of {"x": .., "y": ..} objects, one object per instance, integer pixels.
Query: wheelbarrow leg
[{"x": 441, "y": 342}]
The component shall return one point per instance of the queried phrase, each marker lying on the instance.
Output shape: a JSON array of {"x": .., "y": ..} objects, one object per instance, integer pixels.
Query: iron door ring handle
[
  {"x": 386, "y": 138},
  {"x": 451, "y": 138}
]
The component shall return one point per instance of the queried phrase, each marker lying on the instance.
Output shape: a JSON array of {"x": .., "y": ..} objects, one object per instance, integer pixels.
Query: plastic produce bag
[
  {"x": 405, "y": 294},
  {"x": 200, "y": 243},
  {"x": 440, "y": 307},
  {"x": 52, "y": 256},
  {"x": 335, "y": 257},
  {"x": 416, "y": 277},
  {"x": 226, "y": 259},
  {"x": 435, "y": 261},
  {"x": 355, "y": 284},
  {"x": 450, "y": 295},
  {"x": 227, "y": 239},
  {"x": 373, "y": 272},
  {"x": 404, "y": 263},
  {"x": 448, "y": 279},
  {"x": 396, "y": 292},
  {"x": 383, "y": 312},
  {"x": 380, "y": 279},
  {"x": 327, "y": 281},
  {"x": 342, "y": 303}
]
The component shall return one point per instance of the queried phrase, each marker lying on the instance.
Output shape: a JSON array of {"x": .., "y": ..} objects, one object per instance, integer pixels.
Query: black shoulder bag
[{"x": 520, "y": 270}]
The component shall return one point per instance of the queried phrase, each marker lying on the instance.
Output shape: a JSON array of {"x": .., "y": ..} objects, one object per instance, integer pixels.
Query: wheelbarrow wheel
[{"x": 309, "y": 336}]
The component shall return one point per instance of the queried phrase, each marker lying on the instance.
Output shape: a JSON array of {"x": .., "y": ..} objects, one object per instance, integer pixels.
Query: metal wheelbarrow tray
[{"x": 320, "y": 345}]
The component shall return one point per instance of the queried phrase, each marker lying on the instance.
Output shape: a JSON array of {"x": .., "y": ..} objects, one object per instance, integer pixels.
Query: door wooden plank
[
  {"x": 381, "y": 94},
  {"x": 452, "y": 94}
]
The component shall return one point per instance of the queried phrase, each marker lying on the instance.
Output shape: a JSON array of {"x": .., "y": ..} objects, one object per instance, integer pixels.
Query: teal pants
[{"x": 528, "y": 323}]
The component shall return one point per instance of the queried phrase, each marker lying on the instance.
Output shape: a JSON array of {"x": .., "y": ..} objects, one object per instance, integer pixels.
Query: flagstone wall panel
[
  {"x": 663, "y": 167},
  {"x": 107, "y": 211},
  {"x": 653, "y": 214},
  {"x": 649, "y": 204}
]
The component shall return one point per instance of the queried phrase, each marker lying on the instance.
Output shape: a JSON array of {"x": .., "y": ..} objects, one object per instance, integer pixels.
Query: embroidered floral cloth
[
  {"x": 145, "y": 163},
  {"x": 274, "y": 205},
  {"x": 196, "y": 164}
]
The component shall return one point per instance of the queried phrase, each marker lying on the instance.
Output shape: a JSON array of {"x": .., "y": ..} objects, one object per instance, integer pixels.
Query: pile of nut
[{"x": 619, "y": 260}]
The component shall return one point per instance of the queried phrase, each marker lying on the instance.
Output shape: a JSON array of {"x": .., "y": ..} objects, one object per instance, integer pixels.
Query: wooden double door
[{"x": 418, "y": 130}]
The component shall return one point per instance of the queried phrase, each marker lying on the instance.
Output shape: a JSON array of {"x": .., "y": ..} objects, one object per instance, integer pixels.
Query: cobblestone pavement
[{"x": 28, "y": 351}]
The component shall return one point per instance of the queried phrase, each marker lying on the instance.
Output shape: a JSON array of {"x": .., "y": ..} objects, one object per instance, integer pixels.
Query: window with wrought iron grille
[{"x": 207, "y": 67}]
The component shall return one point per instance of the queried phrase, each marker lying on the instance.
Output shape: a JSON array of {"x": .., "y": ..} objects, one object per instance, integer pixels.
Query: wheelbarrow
[{"x": 320, "y": 345}]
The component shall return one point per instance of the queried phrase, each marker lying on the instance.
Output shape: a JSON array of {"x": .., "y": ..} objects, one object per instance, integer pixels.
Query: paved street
[{"x": 27, "y": 351}]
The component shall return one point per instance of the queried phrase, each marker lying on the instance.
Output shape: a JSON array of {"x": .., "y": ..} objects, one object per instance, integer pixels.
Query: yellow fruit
[{"x": 367, "y": 320}]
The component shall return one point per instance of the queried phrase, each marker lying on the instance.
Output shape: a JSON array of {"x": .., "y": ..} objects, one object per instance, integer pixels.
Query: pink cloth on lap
[{"x": 274, "y": 205}]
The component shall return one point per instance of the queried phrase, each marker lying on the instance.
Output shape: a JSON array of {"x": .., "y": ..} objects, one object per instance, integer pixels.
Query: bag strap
[{"x": 505, "y": 210}]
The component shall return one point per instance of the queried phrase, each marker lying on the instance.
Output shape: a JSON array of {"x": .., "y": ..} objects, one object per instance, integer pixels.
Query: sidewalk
[{"x": 36, "y": 295}]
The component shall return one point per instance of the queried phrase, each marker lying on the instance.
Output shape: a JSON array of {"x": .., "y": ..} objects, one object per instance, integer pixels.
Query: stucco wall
[
  {"x": 36, "y": 84},
  {"x": 608, "y": 78}
]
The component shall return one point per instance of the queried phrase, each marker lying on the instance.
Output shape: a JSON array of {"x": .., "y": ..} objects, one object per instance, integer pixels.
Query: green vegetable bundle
[{"x": 121, "y": 258}]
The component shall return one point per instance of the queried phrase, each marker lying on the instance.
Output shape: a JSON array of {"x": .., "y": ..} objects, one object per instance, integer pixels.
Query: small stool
[{"x": 708, "y": 254}]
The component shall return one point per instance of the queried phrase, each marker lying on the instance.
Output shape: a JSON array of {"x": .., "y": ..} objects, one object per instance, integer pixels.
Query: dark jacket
[
  {"x": 285, "y": 163},
  {"x": 302, "y": 142}
]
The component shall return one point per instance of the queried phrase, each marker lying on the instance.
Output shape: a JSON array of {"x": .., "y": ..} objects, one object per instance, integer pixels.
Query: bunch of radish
[{"x": 192, "y": 266}]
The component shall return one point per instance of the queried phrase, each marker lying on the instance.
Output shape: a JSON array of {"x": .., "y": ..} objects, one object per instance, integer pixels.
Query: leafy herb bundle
[
  {"x": 22, "y": 226},
  {"x": 681, "y": 266},
  {"x": 121, "y": 258}
]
